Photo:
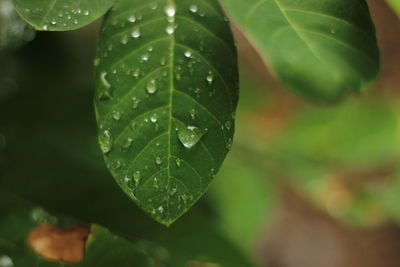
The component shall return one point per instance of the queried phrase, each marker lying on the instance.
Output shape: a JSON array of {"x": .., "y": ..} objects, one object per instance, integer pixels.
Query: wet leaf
[
  {"x": 167, "y": 89},
  {"x": 61, "y": 15},
  {"x": 321, "y": 50}
]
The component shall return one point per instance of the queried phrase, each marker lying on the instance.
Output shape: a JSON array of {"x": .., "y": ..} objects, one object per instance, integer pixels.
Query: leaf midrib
[{"x": 171, "y": 98}]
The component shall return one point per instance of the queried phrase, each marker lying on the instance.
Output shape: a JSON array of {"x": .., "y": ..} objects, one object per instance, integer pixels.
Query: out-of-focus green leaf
[
  {"x": 166, "y": 96},
  {"x": 319, "y": 49},
  {"x": 249, "y": 186},
  {"x": 45, "y": 158},
  {"x": 337, "y": 157},
  {"x": 61, "y": 15},
  {"x": 356, "y": 132},
  {"x": 395, "y": 5},
  {"x": 13, "y": 30},
  {"x": 18, "y": 218}
]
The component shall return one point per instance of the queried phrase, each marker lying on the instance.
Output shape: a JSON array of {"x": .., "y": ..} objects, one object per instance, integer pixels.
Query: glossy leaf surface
[
  {"x": 61, "y": 15},
  {"x": 321, "y": 50},
  {"x": 167, "y": 89}
]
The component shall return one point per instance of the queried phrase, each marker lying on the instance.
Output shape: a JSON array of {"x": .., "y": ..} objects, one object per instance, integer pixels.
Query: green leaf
[
  {"x": 167, "y": 89},
  {"x": 61, "y": 15},
  {"x": 395, "y": 5},
  {"x": 19, "y": 217},
  {"x": 321, "y": 50},
  {"x": 45, "y": 159}
]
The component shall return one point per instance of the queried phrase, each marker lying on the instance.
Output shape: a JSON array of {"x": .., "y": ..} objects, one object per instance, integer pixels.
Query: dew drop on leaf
[
  {"x": 106, "y": 141},
  {"x": 136, "y": 33},
  {"x": 170, "y": 29},
  {"x": 158, "y": 160},
  {"x": 210, "y": 78},
  {"x": 189, "y": 136},
  {"x": 136, "y": 102},
  {"x": 193, "y": 8},
  {"x": 127, "y": 145},
  {"x": 132, "y": 18},
  {"x": 151, "y": 87},
  {"x": 116, "y": 115}
]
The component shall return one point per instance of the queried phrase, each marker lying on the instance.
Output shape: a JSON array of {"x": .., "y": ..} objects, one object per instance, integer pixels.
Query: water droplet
[
  {"x": 170, "y": 29},
  {"x": 53, "y": 22},
  {"x": 104, "y": 80},
  {"x": 87, "y": 13},
  {"x": 189, "y": 136},
  {"x": 145, "y": 57},
  {"x": 151, "y": 86},
  {"x": 333, "y": 31},
  {"x": 132, "y": 18},
  {"x": 75, "y": 21},
  {"x": 116, "y": 115},
  {"x": 188, "y": 54},
  {"x": 129, "y": 183},
  {"x": 136, "y": 33},
  {"x": 127, "y": 145},
  {"x": 45, "y": 27},
  {"x": 192, "y": 113},
  {"x": 6, "y": 261},
  {"x": 170, "y": 11},
  {"x": 136, "y": 102},
  {"x": 137, "y": 177},
  {"x": 155, "y": 183},
  {"x": 210, "y": 78},
  {"x": 228, "y": 125},
  {"x": 106, "y": 141},
  {"x": 115, "y": 165},
  {"x": 154, "y": 6},
  {"x": 124, "y": 40},
  {"x": 193, "y": 8},
  {"x": 154, "y": 118},
  {"x": 158, "y": 161},
  {"x": 163, "y": 61},
  {"x": 178, "y": 162},
  {"x": 229, "y": 144},
  {"x": 161, "y": 209}
]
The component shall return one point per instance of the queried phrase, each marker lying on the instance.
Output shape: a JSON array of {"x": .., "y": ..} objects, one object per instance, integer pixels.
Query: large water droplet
[
  {"x": 189, "y": 136},
  {"x": 151, "y": 87},
  {"x": 158, "y": 161},
  {"x": 106, "y": 141}
]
